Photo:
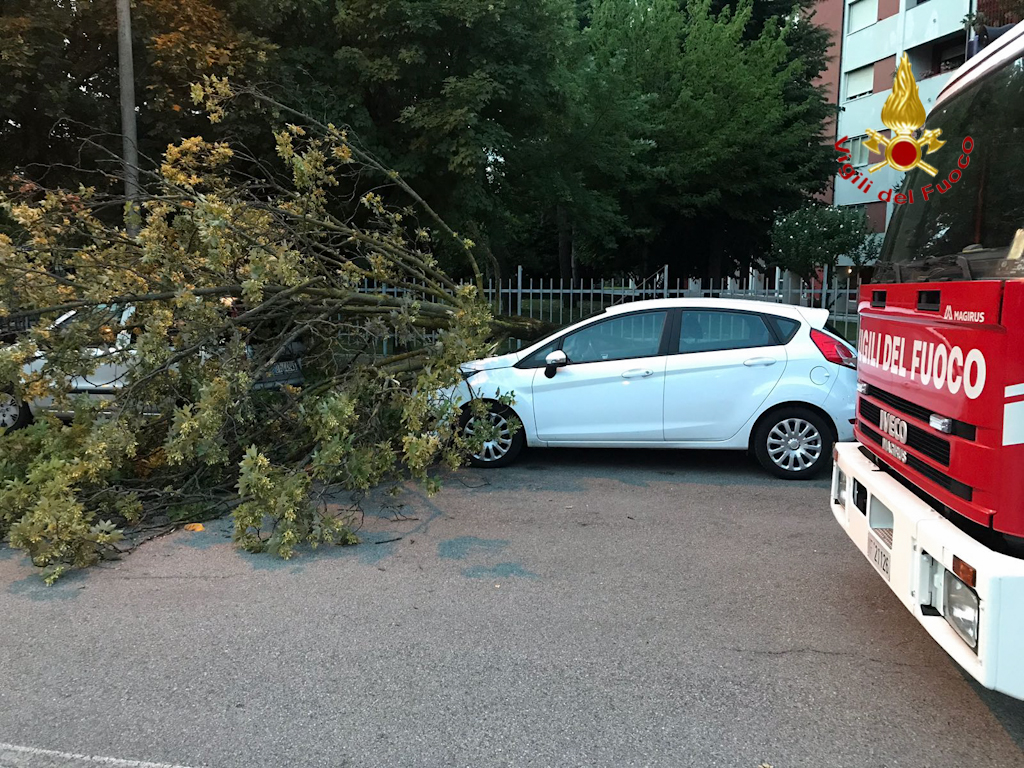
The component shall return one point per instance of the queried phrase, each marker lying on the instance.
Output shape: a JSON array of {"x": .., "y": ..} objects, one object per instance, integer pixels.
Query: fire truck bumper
[{"x": 969, "y": 598}]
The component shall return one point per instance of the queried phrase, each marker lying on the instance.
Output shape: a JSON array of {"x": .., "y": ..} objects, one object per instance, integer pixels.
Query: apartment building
[
  {"x": 829, "y": 14},
  {"x": 875, "y": 35}
]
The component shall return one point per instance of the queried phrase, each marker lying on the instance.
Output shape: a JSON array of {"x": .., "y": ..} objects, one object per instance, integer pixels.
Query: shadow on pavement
[
  {"x": 1008, "y": 711},
  {"x": 637, "y": 467}
]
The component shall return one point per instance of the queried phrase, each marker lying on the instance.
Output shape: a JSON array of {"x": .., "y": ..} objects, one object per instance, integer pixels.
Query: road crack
[{"x": 821, "y": 652}]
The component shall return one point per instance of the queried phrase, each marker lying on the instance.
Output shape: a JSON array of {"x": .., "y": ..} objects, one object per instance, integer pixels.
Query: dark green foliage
[{"x": 572, "y": 136}]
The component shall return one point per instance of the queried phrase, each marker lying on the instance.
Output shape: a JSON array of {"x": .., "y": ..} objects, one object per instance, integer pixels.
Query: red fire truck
[{"x": 932, "y": 492}]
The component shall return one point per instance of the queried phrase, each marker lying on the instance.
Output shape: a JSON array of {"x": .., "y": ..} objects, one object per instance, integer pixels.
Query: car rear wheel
[
  {"x": 794, "y": 443},
  {"x": 503, "y": 436},
  {"x": 14, "y": 414}
]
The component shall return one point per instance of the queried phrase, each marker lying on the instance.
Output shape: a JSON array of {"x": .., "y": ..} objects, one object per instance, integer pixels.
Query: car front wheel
[
  {"x": 14, "y": 414},
  {"x": 794, "y": 443},
  {"x": 502, "y": 435}
]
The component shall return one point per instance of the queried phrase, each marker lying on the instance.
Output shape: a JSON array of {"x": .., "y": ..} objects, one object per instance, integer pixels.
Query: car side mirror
[{"x": 554, "y": 361}]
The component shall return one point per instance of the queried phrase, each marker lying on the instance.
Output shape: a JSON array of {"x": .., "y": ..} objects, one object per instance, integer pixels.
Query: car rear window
[{"x": 837, "y": 333}]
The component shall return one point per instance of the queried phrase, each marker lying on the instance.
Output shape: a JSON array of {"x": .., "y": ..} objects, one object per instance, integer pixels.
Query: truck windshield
[{"x": 973, "y": 230}]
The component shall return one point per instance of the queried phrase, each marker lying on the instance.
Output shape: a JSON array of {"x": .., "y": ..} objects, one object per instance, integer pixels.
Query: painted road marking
[{"x": 15, "y": 756}]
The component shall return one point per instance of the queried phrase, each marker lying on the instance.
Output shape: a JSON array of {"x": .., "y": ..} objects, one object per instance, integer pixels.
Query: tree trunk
[
  {"x": 564, "y": 244},
  {"x": 575, "y": 266}
]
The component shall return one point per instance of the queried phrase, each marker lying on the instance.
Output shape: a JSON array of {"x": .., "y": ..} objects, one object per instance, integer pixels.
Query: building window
[
  {"x": 951, "y": 57},
  {"x": 862, "y": 13},
  {"x": 858, "y": 152},
  {"x": 860, "y": 82},
  {"x": 875, "y": 214}
]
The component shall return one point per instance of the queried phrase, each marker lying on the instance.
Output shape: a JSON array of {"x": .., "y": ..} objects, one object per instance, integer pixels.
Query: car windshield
[
  {"x": 975, "y": 229},
  {"x": 101, "y": 313}
]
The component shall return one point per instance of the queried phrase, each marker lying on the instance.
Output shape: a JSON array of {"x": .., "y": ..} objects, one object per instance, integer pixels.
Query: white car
[
  {"x": 112, "y": 368},
  {"x": 675, "y": 373}
]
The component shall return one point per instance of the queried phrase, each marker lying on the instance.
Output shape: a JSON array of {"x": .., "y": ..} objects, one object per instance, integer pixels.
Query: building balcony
[{"x": 934, "y": 19}]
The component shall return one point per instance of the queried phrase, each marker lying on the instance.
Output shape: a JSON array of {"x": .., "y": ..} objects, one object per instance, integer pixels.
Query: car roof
[{"x": 812, "y": 315}]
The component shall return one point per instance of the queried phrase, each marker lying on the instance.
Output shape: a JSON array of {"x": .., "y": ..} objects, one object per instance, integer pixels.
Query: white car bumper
[{"x": 912, "y": 547}]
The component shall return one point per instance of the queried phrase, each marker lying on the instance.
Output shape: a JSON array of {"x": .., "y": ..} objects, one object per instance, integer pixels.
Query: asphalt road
[{"x": 603, "y": 608}]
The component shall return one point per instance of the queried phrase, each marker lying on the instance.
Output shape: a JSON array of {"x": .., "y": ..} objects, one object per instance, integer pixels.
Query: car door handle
[
  {"x": 765, "y": 361},
  {"x": 637, "y": 373}
]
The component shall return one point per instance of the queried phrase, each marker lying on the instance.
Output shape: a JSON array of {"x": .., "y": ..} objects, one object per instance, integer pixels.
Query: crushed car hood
[{"x": 490, "y": 363}]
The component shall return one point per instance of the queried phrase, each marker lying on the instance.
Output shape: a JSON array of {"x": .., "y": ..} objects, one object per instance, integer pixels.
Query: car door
[
  {"x": 724, "y": 364},
  {"x": 611, "y": 390}
]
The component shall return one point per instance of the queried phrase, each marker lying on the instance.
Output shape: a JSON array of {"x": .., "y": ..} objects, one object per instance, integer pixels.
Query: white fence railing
[{"x": 561, "y": 302}]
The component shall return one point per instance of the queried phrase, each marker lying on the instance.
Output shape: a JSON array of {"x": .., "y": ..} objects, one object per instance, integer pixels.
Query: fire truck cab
[{"x": 932, "y": 491}]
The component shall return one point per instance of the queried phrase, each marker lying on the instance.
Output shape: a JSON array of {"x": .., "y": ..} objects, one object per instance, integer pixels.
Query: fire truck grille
[
  {"x": 937, "y": 476},
  {"x": 930, "y": 445},
  {"x": 898, "y": 404}
]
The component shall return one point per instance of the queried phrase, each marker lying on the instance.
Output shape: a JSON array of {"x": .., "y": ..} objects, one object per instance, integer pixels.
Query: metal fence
[{"x": 562, "y": 302}]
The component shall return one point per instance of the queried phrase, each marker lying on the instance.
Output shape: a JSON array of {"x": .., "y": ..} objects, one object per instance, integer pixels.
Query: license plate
[
  {"x": 879, "y": 556},
  {"x": 281, "y": 369}
]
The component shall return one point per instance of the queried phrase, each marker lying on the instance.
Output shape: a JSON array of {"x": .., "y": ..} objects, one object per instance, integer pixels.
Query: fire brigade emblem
[{"x": 903, "y": 114}]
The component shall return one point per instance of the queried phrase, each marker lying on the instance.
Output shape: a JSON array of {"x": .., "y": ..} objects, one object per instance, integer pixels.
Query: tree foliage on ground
[
  {"x": 292, "y": 149},
  {"x": 230, "y": 273},
  {"x": 816, "y": 236},
  {"x": 613, "y": 136}
]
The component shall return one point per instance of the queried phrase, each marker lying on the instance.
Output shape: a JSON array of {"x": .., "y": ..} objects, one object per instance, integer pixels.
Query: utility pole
[{"x": 129, "y": 134}]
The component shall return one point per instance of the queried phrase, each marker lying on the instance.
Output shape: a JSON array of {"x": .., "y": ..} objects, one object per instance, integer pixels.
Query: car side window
[
  {"x": 618, "y": 338},
  {"x": 785, "y": 328},
  {"x": 536, "y": 358},
  {"x": 713, "y": 331}
]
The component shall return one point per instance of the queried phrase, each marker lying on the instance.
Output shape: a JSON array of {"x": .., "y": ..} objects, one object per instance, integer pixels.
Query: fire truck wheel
[
  {"x": 14, "y": 414},
  {"x": 794, "y": 443}
]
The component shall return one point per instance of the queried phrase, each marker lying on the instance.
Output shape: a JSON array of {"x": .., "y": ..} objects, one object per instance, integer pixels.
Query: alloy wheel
[
  {"x": 794, "y": 444},
  {"x": 10, "y": 409},
  {"x": 499, "y": 442}
]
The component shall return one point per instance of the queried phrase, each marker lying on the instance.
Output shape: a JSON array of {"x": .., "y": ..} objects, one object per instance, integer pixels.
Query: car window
[
  {"x": 536, "y": 358},
  {"x": 713, "y": 330},
  {"x": 836, "y": 332},
  {"x": 784, "y": 327},
  {"x": 100, "y": 314},
  {"x": 619, "y": 338}
]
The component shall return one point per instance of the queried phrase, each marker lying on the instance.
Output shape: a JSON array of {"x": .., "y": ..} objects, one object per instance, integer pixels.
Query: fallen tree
[{"x": 240, "y": 264}]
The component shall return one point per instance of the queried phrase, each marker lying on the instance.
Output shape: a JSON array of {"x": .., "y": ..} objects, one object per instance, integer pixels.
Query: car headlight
[
  {"x": 840, "y": 491},
  {"x": 961, "y": 609}
]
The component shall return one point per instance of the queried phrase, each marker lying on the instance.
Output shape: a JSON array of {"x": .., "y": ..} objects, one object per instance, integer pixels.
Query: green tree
[
  {"x": 58, "y": 62},
  {"x": 228, "y": 273},
  {"x": 666, "y": 155},
  {"x": 452, "y": 94},
  {"x": 605, "y": 135},
  {"x": 815, "y": 236}
]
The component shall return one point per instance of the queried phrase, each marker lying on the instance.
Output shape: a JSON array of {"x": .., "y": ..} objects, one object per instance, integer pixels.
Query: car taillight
[{"x": 833, "y": 349}]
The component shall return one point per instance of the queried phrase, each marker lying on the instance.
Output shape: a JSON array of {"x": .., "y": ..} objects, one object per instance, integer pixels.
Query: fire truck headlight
[
  {"x": 941, "y": 423},
  {"x": 960, "y": 608},
  {"x": 840, "y": 491},
  {"x": 862, "y": 387}
]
